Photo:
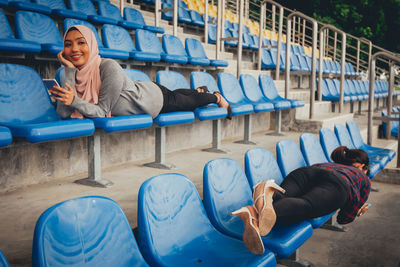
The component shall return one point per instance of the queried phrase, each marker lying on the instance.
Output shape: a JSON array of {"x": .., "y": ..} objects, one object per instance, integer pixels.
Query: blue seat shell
[
  {"x": 312, "y": 149},
  {"x": 8, "y": 41},
  {"x": 48, "y": 37},
  {"x": 29, "y": 6},
  {"x": 59, "y": 8},
  {"x": 268, "y": 88},
  {"x": 88, "y": 8},
  {"x": 169, "y": 203},
  {"x": 253, "y": 93},
  {"x": 148, "y": 46},
  {"x": 109, "y": 10},
  {"x": 174, "y": 50},
  {"x": 117, "y": 38},
  {"x": 226, "y": 189},
  {"x": 38, "y": 120},
  {"x": 86, "y": 231},
  {"x": 134, "y": 16}
]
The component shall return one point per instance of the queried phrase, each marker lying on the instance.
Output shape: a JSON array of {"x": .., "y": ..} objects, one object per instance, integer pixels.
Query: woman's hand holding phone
[
  {"x": 363, "y": 209},
  {"x": 64, "y": 61},
  {"x": 66, "y": 96}
]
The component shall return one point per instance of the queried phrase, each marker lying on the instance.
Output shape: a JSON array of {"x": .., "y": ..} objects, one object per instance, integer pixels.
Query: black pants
[
  {"x": 184, "y": 99},
  {"x": 310, "y": 192}
]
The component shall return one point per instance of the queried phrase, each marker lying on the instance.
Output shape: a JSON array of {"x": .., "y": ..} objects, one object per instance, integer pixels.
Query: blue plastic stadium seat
[
  {"x": 59, "y": 8},
  {"x": 312, "y": 150},
  {"x": 289, "y": 158},
  {"x": 5, "y": 136},
  {"x": 268, "y": 88},
  {"x": 8, "y": 41},
  {"x": 202, "y": 78},
  {"x": 253, "y": 93},
  {"x": 226, "y": 189},
  {"x": 148, "y": 46},
  {"x": 3, "y": 3},
  {"x": 174, "y": 50},
  {"x": 28, "y": 5},
  {"x": 109, "y": 10},
  {"x": 231, "y": 90},
  {"x": 104, "y": 52},
  {"x": 137, "y": 75},
  {"x": 86, "y": 231},
  {"x": 344, "y": 138},
  {"x": 212, "y": 33},
  {"x": 26, "y": 108},
  {"x": 88, "y": 8},
  {"x": 3, "y": 260},
  {"x": 26, "y": 25},
  {"x": 197, "y": 19},
  {"x": 116, "y": 37},
  {"x": 266, "y": 60},
  {"x": 170, "y": 203},
  {"x": 134, "y": 16},
  {"x": 183, "y": 13},
  {"x": 174, "y": 80},
  {"x": 197, "y": 55},
  {"x": 358, "y": 142}
]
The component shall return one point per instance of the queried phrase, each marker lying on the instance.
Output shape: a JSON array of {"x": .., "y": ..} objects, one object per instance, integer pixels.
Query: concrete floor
[{"x": 372, "y": 240}]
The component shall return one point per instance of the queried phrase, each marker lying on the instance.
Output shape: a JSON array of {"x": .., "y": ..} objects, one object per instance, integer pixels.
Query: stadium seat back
[
  {"x": 26, "y": 27},
  {"x": 230, "y": 87},
  {"x": 23, "y": 97},
  {"x": 137, "y": 75},
  {"x": 329, "y": 141},
  {"x": 5, "y": 32},
  {"x": 260, "y": 165},
  {"x": 251, "y": 88},
  {"x": 109, "y": 10},
  {"x": 343, "y": 136},
  {"x": 172, "y": 45},
  {"x": 116, "y": 37},
  {"x": 355, "y": 134},
  {"x": 289, "y": 156},
  {"x": 92, "y": 231},
  {"x": 172, "y": 80},
  {"x": 202, "y": 78},
  {"x": 53, "y": 4},
  {"x": 147, "y": 41},
  {"x": 194, "y": 48},
  {"x": 312, "y": 149},
  {"x": 133, "y": 15},
  {"x": 84, "y": 6},
  {"x": 268, "y": 87}
]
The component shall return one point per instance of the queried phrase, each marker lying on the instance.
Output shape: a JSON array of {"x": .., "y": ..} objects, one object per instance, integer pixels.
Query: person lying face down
[
  {"x": 307, "y": 193},
  {"x": 98, "y": 87}
]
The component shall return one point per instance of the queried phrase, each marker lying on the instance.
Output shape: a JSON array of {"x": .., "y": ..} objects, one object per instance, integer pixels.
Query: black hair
[{"x": 346, "y": 156}]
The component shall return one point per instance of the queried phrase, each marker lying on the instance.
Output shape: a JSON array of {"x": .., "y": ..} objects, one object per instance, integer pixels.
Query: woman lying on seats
[
  {"x": 96, "y": 87},
  {"x": 309, "y": 192}
]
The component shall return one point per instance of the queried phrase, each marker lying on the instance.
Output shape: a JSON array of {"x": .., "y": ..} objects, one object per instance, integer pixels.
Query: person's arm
[
  {"x": 352, "y": 209},
  {"x": 63, "y": 110}
]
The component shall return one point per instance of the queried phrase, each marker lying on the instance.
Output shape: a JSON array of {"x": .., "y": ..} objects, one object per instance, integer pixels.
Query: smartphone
[
  {"x": 368, "y": 205},
  {"x": 49, "y": 83}
]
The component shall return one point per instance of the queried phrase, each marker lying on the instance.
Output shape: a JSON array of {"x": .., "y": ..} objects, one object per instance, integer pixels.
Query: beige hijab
[{"x": 87, "y": 79}]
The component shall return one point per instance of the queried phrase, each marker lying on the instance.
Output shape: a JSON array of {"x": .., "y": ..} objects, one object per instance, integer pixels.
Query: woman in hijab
[{"x": 96, "y": 87}]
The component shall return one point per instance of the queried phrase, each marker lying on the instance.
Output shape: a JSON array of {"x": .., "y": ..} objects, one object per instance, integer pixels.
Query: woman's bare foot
[
  {"x": 222, "y": 103},
  {"x": 251, "y": 235}
]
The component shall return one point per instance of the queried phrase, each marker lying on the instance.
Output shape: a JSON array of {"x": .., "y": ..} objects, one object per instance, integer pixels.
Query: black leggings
[
  {"x": 184, "y": 99},
  {"x": 310, "y": 193}
]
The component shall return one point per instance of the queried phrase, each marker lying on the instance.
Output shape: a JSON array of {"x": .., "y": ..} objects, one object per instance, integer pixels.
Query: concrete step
[
  {"x": 319, "y": 107},
  {"x": 327, "y": 120}
]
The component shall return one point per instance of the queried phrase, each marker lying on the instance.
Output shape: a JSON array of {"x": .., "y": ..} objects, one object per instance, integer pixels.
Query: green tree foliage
[{"x": 377, "y": 20}]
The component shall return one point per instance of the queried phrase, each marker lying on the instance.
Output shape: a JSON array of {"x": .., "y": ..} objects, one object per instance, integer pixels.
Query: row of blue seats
[
  {"x": 354, "y": 90},
  {"x": 117, "y": 40},
  {"x": 394, "y": 125},
  {"x": 170, "y": 203},
  {"x": 85, "y": 10}
]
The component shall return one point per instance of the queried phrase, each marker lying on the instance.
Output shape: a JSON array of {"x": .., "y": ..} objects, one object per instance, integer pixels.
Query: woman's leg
[
  {"x": 185, "y": 100},
  {"x": 310, "y": 193}
]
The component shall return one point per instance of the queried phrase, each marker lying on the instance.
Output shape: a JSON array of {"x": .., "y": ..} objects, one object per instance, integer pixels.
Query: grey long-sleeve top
[{"x": 118, "y": 94}]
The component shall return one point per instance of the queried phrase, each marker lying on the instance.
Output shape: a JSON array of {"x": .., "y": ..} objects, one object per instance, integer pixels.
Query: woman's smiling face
[{"x": 76, "y": 49}]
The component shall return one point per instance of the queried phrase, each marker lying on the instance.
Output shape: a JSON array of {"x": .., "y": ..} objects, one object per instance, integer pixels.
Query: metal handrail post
[
  {"x": 157, "y": 17},
  {"x": 279, "y": 48},
  {"x": 320, "y": 65},
  {"x": 314, "y": 57},
  {"x": 218, "y": 44},
  {"x": 206, "y": 22},
  {"x": 175, "y": 18},
  {"x": 358, "y": 56},
  {"x": 240, "y": 41},
  {"x": 261, "y": 36},
  {"x": 371, "y": 71},
  {"x": 334, "y": 46},
  {"x": 121, "y": 7},
  {"x": 390, "y": 99},
  {"x": 273, "y": 18},
  {"x": 343, "y": 61}
]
